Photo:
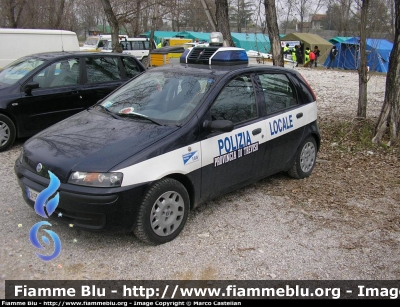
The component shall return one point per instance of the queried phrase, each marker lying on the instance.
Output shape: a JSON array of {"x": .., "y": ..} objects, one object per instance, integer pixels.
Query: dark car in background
[{"x": 42, "y": 89}]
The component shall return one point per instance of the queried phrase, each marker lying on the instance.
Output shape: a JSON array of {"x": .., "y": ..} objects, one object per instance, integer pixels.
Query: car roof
[
  {"x": 217, "y": 70},
  {"x": 61, "y": 54}
]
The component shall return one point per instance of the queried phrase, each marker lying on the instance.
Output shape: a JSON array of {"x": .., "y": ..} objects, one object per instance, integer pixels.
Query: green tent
[
  {"x": 158, "y": 35},
  {"x": 202, "y": 36},
  {"x": 252, "y": 41},
  {"x": 311, "y": 40},
  {"x": 338, "y": 39},
  {"x": 257, "y": 42}
]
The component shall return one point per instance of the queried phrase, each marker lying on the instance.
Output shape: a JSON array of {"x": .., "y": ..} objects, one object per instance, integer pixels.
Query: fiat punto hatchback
[{"x": 171, "y": 139}]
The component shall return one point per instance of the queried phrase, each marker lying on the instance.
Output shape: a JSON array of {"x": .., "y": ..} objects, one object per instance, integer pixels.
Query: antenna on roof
[{"x": 62, "y": 41}]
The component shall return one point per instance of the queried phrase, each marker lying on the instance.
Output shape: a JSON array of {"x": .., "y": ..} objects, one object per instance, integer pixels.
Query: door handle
[
  {"x": 298, "y": 115},
  {"x": 256, "y": 131}
]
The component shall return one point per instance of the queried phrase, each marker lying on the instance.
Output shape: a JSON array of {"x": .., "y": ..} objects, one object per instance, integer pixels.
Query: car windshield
[
  {"x": 15, "y": 71},
  {"x": 91, "y": 41},
  {"x": 162, "y": 96}
]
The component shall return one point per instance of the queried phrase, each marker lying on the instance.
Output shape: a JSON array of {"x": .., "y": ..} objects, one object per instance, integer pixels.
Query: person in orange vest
[{"x": 312, "y": 59}]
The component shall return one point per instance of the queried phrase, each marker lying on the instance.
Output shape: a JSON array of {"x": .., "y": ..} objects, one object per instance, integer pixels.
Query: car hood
[{"x": 91, "y": 141}]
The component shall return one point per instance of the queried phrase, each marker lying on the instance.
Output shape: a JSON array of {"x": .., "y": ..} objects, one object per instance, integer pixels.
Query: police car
[{"x": 172, "y": 138}]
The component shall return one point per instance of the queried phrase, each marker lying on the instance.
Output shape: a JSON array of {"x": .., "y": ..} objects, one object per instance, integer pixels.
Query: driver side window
[{"x": 236, "y": 102}]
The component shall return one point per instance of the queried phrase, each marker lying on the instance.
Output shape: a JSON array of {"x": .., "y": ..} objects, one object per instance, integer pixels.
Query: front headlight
[
  {"x": 21, "y": 156},
  {"x": 101, "y": 180}
]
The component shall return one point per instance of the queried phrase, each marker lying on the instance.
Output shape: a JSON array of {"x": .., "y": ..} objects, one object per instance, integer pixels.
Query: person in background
[
  {"x": 299, "y": 55},
  {"x": 294, "y": 58},
  {"x": 286, "y": 50},
  {"x": 317, "y": 53},
  {"x": 312, "y": 59},
  {"x": 159, "y": 45},
  {"x": 332, "y": 56},
  {"x": 197, "y": 40},
  {"x": 307, "y": 57}
]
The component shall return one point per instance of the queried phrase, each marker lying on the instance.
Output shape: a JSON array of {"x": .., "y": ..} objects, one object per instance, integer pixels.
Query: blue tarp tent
[{"x": 378, "y": 54}]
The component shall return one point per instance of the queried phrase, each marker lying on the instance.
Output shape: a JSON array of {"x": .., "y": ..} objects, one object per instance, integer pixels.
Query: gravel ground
[{"x": 276, "y": 229}]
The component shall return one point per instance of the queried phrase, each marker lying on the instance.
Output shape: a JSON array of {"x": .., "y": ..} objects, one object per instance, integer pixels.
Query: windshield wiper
[
  {"x": 108, "y": 111},
  {"x": 131, "y": 114}
]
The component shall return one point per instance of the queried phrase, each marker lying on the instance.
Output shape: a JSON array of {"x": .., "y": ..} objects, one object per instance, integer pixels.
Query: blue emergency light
[{"x": 215, "y": 54}]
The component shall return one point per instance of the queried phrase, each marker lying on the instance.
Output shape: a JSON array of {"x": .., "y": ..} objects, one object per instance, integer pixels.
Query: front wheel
[
  {"x": 163, "y": 212},
  {"x": 305, "y": 159},
  {"x": 7, "y": 132}
]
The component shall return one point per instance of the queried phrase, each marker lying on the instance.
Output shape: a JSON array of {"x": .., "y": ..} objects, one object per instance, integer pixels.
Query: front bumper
[{"x": 96, "y": 209}]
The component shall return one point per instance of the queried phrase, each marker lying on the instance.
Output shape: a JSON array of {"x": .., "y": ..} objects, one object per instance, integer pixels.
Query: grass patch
[{"x": 354, "y": 135}]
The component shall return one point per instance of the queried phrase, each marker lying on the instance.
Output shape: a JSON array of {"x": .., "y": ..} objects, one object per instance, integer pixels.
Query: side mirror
[
  {"x": 30, "y": 86},
  {"x": 218, "y": 125}
]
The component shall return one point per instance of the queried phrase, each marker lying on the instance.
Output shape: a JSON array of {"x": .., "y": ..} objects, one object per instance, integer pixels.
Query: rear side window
[
  {"x": 102, "y": 69},
  {"x": 131, "y": 67},
  {"x": 278, "y": 92},
  {"x": 137, "y": 45},
  {"x": 236, "y": 102}
]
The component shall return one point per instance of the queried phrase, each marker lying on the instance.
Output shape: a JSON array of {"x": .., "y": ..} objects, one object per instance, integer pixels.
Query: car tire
[
  {"x": 305, "y": 159},
  {"x": 163, "y": 212},
  {"x": 145, "y": 61},
  {"x": 7, "y": 132}
]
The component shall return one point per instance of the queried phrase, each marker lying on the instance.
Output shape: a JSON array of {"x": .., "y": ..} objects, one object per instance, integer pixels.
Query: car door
[
  {"x": 283, "y": 120},
  {"x": 58, "y": 95},
  {"x": 231, "y": 159}
]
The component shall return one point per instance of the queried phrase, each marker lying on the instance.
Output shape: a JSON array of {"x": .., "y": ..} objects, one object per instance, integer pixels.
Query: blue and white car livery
[{"x": 173, "y": 138}]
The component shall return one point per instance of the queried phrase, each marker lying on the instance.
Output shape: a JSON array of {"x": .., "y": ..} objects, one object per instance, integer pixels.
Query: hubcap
[
  {"x": 167, "y": 213},
  {"x": 4, "y": 133},
  {"x": 307, "y": 157}
]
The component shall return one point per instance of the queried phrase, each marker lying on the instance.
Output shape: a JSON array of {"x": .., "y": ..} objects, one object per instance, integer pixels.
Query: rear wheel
[
  {"x": 7, "y": 132},
  {"x": 163, "y": 212},
  {"x": 305, "y": 160}
]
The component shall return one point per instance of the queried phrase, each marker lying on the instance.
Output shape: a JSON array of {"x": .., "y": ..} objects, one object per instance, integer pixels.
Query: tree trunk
[
  {"x": 362, "y": 70},
  {"x": 60, "y": 14},
  {"x": 390, "y": 113},
  {"x": 273, "y": 32},
  {"x": 209, "y": 16},
  {"x": 112, "y": 20},
  {"x": 223, "y": 21}
]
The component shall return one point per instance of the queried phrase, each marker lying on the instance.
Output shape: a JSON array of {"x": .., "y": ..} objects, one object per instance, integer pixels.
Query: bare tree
[
  {"x": 389, "y": 118},
  {"x": 273, "y": 32},
  {"x": 11, "y": 11},
  {"x": 113, "y": 21},
  {"x": 209, "y": 15},
  {"x": 362, "y": 70},
  {"x": 222, "y": 18}
]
